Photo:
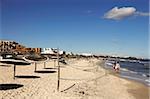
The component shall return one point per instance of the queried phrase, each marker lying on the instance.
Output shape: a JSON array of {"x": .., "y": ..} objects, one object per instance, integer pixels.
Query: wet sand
[{"x": 138, "y": 90}]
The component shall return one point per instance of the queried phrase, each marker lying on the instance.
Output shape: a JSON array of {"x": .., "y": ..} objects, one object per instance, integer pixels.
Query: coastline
[
  {"x": 79, "y": 79},
  {"x": 138, "y": 90},
  {"x": 135, "y": 88}
]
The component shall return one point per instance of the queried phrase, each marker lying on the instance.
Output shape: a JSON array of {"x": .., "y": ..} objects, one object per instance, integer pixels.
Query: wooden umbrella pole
[
  {"x": 54, "y": 62},
  {"x": 44, "y": 64},
  {"x": 14, "y": 71},
  {"x": 35, "y": 67},
  {"x": 58, "y": 84}
]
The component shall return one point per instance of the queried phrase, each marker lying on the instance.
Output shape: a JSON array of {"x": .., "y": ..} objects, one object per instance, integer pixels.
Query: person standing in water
[{"x": 116, "y": 66}]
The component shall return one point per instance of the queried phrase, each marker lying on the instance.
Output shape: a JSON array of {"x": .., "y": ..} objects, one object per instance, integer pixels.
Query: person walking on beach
[{"x": 116, "y": 66}]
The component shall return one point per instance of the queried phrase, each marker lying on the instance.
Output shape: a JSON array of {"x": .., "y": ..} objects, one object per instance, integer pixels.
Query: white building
[
  {"x": 86, "y": 54},
  {"x": 51, "y": 51}
]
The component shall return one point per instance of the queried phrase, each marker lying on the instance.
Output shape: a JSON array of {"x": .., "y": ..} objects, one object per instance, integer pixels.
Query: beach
[{"x": 79, "y": 79}]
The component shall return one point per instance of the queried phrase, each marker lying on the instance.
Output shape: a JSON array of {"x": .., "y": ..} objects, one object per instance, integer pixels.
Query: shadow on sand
[
  {"x": 45, "y": 71},
  {"x": 10, "y": 86},
  {"x": 5, "y": 65},
  {"x": 28, "y": 77},
  {"x": 50, "y": 68}
]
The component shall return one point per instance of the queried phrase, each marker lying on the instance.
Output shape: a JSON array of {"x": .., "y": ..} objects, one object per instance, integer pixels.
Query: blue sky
[{"x": 117, "y": 27}]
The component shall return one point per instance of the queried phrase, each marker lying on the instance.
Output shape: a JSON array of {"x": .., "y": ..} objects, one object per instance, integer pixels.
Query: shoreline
[
  {"x": 138, "y": 90},
  {"x": 135, "y": 88}
]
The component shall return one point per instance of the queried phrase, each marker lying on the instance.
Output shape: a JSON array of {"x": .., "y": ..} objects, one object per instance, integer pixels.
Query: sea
[{"x": 134, "y": 70}]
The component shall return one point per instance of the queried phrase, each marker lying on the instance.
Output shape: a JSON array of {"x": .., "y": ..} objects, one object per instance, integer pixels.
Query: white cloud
[
  {"x": 142, "y": 14},
  {"x": 121, "y": 13}
]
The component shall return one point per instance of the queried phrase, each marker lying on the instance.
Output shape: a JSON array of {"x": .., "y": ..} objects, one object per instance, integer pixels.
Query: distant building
[
  {"x": 87, "y": 54},
  {"x": 9, "y": 47},
  {"x": 34, "y": 50},
  {"x": 51, "y": 51}
]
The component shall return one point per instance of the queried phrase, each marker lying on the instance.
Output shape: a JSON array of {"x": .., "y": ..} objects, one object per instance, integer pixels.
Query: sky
[{"x": 107, "y": 27}]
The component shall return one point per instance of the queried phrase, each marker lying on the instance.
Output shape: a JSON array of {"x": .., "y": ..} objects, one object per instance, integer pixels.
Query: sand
[{"x": 79, "y": 79}]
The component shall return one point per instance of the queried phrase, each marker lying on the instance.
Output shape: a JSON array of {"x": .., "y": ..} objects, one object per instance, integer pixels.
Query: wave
[
  {"x": 146, "y": 75},
  {"x": 109, "y": 64},
  {"x": 133, "y": 78},
  {"x": 124, "y": 69},
  {"x": 133, "y": 72},
  {"x": 147, "y": 80}
]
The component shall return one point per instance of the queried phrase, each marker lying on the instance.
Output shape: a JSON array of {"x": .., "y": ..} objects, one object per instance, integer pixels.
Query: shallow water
[{"x": 138, "y": 71}]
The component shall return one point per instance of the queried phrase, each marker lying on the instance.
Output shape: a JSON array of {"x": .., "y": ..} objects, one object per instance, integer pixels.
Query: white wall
[{"x": 50, "y": 51}]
